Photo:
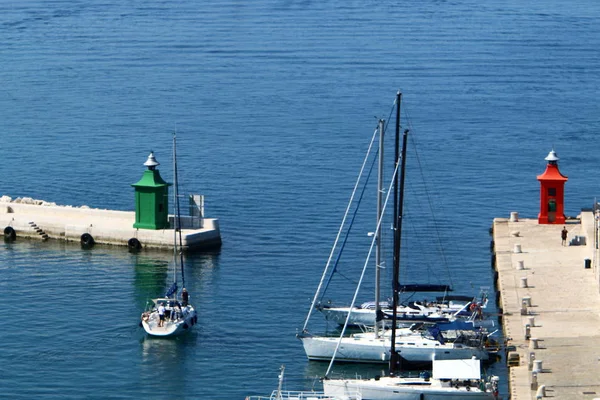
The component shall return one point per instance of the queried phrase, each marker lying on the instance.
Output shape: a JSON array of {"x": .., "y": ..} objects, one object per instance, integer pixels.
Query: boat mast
[
  {"x": 279, "y": 395},
  {"x": 177, "y": 217},
  {"x": 398, "y": 212},
  {"x": 378, "y": 312}
]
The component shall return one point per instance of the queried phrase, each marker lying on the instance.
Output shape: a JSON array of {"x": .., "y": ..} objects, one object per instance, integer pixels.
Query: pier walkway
[
  {"x": 49, "y": 221},
  {"x": 549, "y": 295}
]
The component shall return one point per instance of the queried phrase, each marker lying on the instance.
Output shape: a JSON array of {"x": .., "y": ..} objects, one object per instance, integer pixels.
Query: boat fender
[
  {"x": 87, "y": 240},
  {"x": 133, "y": 244},
  {"x": 9, "y": 233},
  {"x": 185, "y": 326}
]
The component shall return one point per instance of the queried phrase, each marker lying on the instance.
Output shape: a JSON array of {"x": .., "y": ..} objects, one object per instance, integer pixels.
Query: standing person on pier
[{"x": 563, "y": 235}]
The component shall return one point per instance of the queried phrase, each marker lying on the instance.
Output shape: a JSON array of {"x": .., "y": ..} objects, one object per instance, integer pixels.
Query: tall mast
[
  {"x": 398, "y": 212},
  {"x": 378, "y": 313},
  {"x": 177, "y": 216}
]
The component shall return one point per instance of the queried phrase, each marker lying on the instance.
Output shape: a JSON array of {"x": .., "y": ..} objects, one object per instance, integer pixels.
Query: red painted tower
[{"x": 552, "y": 193}]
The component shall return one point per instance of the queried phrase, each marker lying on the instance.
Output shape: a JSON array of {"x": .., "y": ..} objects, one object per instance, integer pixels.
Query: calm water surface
[{"x": 274, "y": 103}]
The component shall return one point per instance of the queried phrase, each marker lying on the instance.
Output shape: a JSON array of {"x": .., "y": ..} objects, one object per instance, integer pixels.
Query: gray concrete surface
[{"x": 564, "y": 315}]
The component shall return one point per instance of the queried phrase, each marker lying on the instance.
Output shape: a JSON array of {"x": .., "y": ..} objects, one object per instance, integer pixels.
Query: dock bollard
[
  {"x": 533, "y": 344},
  {"x": 527, "y": 300},
  {"x": 520, "y": 265},
  {"x": 541, "y": 392},
  {"x": 534, "y": 382},
  {"x": 517, "y": 249},
  {"x": 537, "y": 366},
  {"x": 531, "y": 360},
  {"x": 514, "y": 216},
  {"x": 523, "y": 308},
  {"x": 524, "y": 282},
  {"x": 531, "y": 320},
  {"x": 527, "y": 331}
]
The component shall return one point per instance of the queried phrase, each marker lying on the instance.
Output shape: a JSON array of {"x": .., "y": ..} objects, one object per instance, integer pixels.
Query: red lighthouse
[{"x": 552, "y": 192}]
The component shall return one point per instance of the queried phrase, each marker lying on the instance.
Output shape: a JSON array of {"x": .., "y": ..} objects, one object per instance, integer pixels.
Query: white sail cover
[{"x": 457, "y": 369}]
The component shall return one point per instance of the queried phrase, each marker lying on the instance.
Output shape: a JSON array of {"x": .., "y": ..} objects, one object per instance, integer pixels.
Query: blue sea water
[{"x": 274, "y": 103}]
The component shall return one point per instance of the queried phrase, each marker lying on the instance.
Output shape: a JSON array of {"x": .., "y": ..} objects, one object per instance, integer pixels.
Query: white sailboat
[
  {"x": 452, "y": 379},
  {"x": 172, "y": 314},
  {"x": 281, "y": 394},
  {"x": 417, "y": 347},
  {"x": 414, "y": 346},
  {"x": 415, "y": 311},
  {"x": 443, "y": 309}
]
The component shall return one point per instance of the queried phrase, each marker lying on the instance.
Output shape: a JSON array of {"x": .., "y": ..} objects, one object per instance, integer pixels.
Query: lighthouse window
[{"x": 551, "y": 191}]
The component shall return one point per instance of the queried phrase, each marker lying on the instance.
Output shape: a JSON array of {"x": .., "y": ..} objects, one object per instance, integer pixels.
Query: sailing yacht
[
  {"x": 172, "y": 314},
  {"x": 417, "y": 347},
  {"x": 414, "y": 346},
  {"x": 451, "y": 379},
  {"x": 281, "y": 394}
]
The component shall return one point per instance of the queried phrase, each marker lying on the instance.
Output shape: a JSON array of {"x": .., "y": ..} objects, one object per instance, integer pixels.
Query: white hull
[
  {"x": 387, "y": 388},
  {"x": 171, "y": 327},
  {"x": 367, "y": 348},
  {"x": 366, "y": 316}
]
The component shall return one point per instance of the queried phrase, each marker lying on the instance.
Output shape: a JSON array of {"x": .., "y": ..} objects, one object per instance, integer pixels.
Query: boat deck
[{"x": 553, "y": 289}]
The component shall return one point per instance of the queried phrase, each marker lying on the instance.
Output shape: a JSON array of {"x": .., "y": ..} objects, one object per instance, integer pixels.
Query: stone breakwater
[{"x": 38, "y": 219}]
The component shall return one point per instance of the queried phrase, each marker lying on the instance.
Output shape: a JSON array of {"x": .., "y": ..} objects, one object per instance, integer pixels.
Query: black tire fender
[
  {"x": 9, "y": 233},
  {"x": 134, "y": 245},
  {"x": 87, "y": 240}
]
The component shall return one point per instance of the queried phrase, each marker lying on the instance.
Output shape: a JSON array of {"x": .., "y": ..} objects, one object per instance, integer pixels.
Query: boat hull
[
  {"x": 405, "y": 316},
  {"x": 401, "y": 389},
  {"x": 175, "y": 327},
  {"x": 366, "y": 317},
  {"x": 377, "y": 350}
]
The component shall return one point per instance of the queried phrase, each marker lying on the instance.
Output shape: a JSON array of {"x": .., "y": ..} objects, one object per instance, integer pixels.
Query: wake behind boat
[{"x": 172, "y": 314}]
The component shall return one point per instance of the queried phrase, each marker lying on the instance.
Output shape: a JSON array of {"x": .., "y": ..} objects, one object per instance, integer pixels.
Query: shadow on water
[
  {"x": 150, "y": 279},
  {"x": 154, "y": 272}
]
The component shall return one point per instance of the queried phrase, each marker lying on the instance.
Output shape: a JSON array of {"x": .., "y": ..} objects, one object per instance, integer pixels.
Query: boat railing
[{"x": 300, "y": 395}]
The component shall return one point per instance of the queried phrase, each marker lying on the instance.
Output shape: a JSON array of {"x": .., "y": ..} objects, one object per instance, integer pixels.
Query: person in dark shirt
[
  {"x": 185, "y": 297},
  {"x": 563, "y": 235}
]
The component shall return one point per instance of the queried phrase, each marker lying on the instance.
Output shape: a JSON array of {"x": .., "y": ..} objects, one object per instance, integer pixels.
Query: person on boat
[
  {"x": 185, "y": 297},
  {"x": 161, "y": 314},
  {"x": 176, "y": 313}
]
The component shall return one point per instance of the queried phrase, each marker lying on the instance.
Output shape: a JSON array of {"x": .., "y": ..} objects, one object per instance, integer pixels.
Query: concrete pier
[
  {"x": 40, "y": 220},
  {"x": 552, "y": 323}
]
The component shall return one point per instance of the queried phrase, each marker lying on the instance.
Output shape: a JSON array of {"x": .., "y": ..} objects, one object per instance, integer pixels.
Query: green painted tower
[{"x": 151, "y": 198}]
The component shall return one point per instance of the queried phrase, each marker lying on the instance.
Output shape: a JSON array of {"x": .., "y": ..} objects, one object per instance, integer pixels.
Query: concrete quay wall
[
  {"x": 549, "y": 297},
  {"x": 111, "y": 227}
]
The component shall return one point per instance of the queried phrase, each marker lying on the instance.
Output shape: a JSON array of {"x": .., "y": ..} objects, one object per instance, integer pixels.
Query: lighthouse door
[{"x": 551, "y": 210}]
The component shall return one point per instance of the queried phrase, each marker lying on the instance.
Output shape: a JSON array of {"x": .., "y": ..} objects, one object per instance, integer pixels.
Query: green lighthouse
[{"x": 151, "y": 198}]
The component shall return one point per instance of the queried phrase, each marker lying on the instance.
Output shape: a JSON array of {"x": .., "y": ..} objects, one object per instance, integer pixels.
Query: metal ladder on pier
[{"x": 39, "y": 231}]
